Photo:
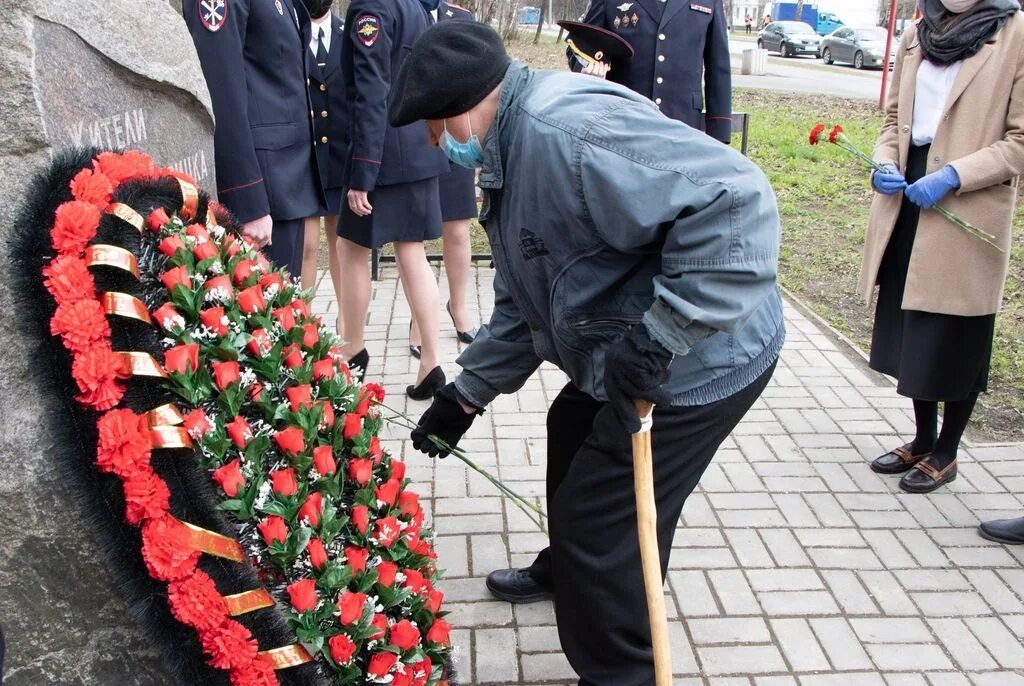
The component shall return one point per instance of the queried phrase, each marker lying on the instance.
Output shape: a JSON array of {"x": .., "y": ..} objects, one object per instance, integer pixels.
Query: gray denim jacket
[{"x": 602, "y": 213}]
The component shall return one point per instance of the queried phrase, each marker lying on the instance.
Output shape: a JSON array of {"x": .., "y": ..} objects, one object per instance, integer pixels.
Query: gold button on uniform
[
  {"x": 324, "y": 139},
  {"x": 661, "y": 36},
  {"x": 323, "y": 113},
  {"x": 661, "y": 80},
  {"x": 657, "y": 101},
  {"x": 661, "y": 58}
]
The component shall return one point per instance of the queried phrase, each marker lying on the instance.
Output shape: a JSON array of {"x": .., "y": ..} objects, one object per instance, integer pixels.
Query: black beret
[
  {"x": 594, "y": 43},
  {"x": 450, "y": 69}
]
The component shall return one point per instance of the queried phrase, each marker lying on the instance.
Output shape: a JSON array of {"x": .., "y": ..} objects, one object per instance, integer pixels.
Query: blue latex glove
[
  {"x": 929, "y": 190},
  {"x": 888, "y": 182}
]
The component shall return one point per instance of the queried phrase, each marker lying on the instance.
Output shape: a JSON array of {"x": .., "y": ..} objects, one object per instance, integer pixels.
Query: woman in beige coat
[{"x": 953, "y": 133}]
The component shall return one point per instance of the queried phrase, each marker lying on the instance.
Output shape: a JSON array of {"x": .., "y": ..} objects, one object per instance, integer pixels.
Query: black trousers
[
  {"x": 285, "y": 249},
  {"x": 593, "y": 562}
]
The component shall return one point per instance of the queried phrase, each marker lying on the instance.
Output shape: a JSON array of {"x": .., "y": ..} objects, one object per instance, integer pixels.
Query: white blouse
[{"x": 934, "y": 84}]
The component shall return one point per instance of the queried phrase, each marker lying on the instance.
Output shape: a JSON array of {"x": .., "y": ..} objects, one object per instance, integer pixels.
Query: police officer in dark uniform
[
  {"x": 330, "y": 133},
  {"x": 253, "y": 57},
  {"x": 677, "y": 43}
]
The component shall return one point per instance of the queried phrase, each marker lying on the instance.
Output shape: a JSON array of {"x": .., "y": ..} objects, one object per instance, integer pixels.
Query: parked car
[
  {"x": 864, "y": 47},
  {"x": 789, "y": 38}
]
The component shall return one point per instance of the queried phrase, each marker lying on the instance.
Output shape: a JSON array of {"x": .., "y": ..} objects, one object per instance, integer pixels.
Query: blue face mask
[{"x": 469, "y": 154}]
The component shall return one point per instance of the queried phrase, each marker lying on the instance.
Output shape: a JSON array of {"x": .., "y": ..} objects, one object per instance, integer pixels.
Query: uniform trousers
[
  {"x": 285, "y": 249},
  {"x": 593, "y": 562}
]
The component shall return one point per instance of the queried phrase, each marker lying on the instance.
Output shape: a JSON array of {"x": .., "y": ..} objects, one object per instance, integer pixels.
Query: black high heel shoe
[
  {"x": 430, "y": 385},
  {"x": 414, "y": 350},
  {"x": 358, "y": 363},
  {"x": 464, "y": 336}
]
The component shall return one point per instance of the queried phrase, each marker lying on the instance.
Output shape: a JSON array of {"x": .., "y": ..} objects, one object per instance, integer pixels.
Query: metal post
[{"x": 888, "y": 51}]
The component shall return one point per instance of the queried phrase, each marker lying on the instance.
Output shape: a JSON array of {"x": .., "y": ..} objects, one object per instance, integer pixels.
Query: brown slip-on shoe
[
  {"x": 897, "y": 461},
  {"x": 926, "y": 478}
]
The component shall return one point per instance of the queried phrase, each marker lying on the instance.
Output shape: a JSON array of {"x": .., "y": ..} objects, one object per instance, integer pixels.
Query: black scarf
[{"x": 947, "y": 38}]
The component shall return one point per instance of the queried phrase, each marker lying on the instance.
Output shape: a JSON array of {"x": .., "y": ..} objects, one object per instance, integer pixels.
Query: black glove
[
  {"x": 635, "y": 367},
  {"x": 445, "y": 419}
]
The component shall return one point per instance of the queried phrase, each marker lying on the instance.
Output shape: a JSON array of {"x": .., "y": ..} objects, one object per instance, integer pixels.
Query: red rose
[
  {"x": 292, "y": 356},
  {"x": 255, "y": 392},
  {"x": 397, "y": 470},
  {"x": 302, "y": 595},
  {"x": 422, "y": 547},
  {"x": 300, "y": 308},
  {"x": 381, "y": 664},
  {"x": 414, "y": 580},
  {"x": 342, "y": 648},
  {"x": 260, "y": 672},
  {"x": 360, "y": 471},
  {"x": 283, "y": 482},
  {"x": 290, "y": 440},
  {"x": 176, "y": 277},
  {"x": 361, "y": 518},
  {"x": 285, "y": 318},
  {"x": 310, "y": 335},
  {"x": 239, "y": 432},
  {"x": 259, "y": 343},
  {"x": 323, "y": 369},
  {"x": 272, "y": 279},
  {"x": 439, "y": 633},
  {"x": 363, "y": 407},
  {"x": 356, "y": 558},
  {"x": 230, "y": 477},
  {"x": 146, "y": 496},
  {"x": 312, "y": 508},
  {"x": 168, "y": 318},
  {"x": 213, "y": 318},
  {"x": 421, "y": 672},
  {"x": 74, "y": 225},
  {"x": 404, "y": 635},
  {"x": 167, "y": 550},
  {"x": 230, "y": 646},
  {"x": 401, "y": 678},
  {"x": 251, "y": 300},
  {"x": 182, "y": 358},
  {"x": 221, "y": 285},
  {"x": 261, "y": 260},
  {"x": 387, "y": 493},
  {"x": 409, "y": 503},
  {"x": 299, "y": 396},
  {"x": 326, "y": 414},
  {"x": 195, "y": 602},
  {"x": 353, "y": 425},
  {"x": 197, "y": 231},
  {"x": 317, "y": 554},
  {"x": 156, "y": 219},
  {"x": 123, "y": 445},
  {"x": 171, "y": 245},
  {"x": 225, "y": 373},
  {"x": 386, "y": 572},
  {"x": 273, "y": 529},
  {"x": 375, "y": 451},
  {"x": 81, "y": 324},
  {"x": 67, "y": 277},
  {"x": 242, "y": 271},
  {"x": 434, "y": 599},
  {"x": 379, "y": 622},
  {"x": 388, "y": 531},
  {"x": 350, "y": 607},
  {"x": 197, "y": 424},
  {"x": 323, "y": 460},
  {"x": 816, "y": 132}
]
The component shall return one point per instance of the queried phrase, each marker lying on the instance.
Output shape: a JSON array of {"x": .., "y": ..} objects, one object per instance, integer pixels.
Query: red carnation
[
  {"x": 299, "y": 396},
  {"x": 81, "y": 325},
  {"x": 387, "y": 493},
  {"x": 381, "y": 664},
  {"x": 195, "y": 602},
  {"x": 833, "y": 135},
  {"x": 302, "y": 595},
  {"x": 404, "y": 635},
  {"x": 146, "y": 496},
  {"x": 283, "y": 482},
  {"x": 342, "y": 648},
  {"x": 409, "y": 503},
  {"x": 434, "y": 599},
  {"x": 230, "y": 646},
  {"x": 292, "y": 356},
  {"x": 353, "y": 425},
  {"x": 259, "y": 344},
  {"x": 310, "y": 335},
  {"x": 361, "y": 518},
  {"x": 323, "y": 460},
  {"x": 317, "y": 553},
  {"x": 74, "y": 225},
  {"x": 121, "y": 166},
  {"x": 242, "y": 271},
  {"x": 182, "y": 358},
  {"x": 356, "y": 558},
  {"x": 171, "y": 245},
  {"x": 239, "y": 432},
  {"x": 350, "y": 607},
  {"x": 68, "y": 278},
  {"x": 123, "y": 445},
  {"x": 311, "y": 509},
  {"x": 177, "y": 276},
  {"x": 166, "y": 549},
  {"x": 388, "y": 531},
  {"x": 375, "y": 391},
  {"x": 259, "y": 672},
  {"x": 273, "y": 529},
  {"x": 251, "y": 300},
  {"x": 386, "y": 572},
  {"x": 168, "y": 318},
  {"x": 397, "y": 470},
  {"x": 230, "y": 477},
  {"x": 360, "y": 471},
  {"x": 290, "y": 440},
  {"x": 157, "y": 219},
  {"x": 213, "y": 318},
  {"x": 323, "y": 369},
  {"x": 439, "y": 633},
  {"x": 816, "y": 132},
  {"x": 225, "y": 373},
  {"x": 197, "y": 424},
  {"x": 92, "y": 187},
  {"x": 221, "y": 286},
  {"x": 285, "y": 318},
  {"x": 380, "y": 623}
]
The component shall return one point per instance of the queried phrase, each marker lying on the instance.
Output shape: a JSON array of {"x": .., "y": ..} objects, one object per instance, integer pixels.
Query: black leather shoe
[
  {"x": 358, "y": 363},
  {"x": 1009, "y": 531},
  {"x": 464, "y": 336},
  {"x": 897, "y": 460},
  {"x": 430, "y": 385},
  {"x": 414, "y": 350},
  {"x": 516, "y": 586},
  {"x": 925, "y": 477}
]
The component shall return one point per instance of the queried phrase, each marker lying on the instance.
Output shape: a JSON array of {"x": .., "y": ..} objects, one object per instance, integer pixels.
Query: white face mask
[{"x": 959, "y": 6}]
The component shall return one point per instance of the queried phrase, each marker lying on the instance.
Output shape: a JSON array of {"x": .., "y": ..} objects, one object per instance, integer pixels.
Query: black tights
[{"x": 954, "y": 422}]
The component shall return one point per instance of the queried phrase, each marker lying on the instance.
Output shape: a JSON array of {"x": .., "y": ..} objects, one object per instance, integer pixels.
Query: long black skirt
[
  {"x": 401, "y": 212},
  {"x": 935, "y": 357}
]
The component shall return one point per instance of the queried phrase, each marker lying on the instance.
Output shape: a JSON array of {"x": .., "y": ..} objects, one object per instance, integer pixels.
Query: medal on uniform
[
  {"x": 701, "y": 8},
  {"x": 635, "y": 19},
  {"x": 212, "y": 13},
  {"x": 616, "y": 22},
  {"x": 624, "y": 7}
]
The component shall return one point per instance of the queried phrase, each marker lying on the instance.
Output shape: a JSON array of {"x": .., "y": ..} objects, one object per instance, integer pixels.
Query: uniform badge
[
  {"x": 624, "y": 7},
  {"x": 634, "y": 19},
  {"x": 279, "y": 6},
  {"x": 702, "y": 8},
  {"x": 213, "y": 13},
  {"x": 367, "y": 29},
  {"x": 617, "y": 22}
]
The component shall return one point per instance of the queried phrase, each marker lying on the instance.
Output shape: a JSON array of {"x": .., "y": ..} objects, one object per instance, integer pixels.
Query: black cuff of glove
[{"x": 450, "y": 392}]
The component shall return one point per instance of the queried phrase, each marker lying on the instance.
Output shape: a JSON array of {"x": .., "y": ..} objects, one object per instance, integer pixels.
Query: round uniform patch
[
  {"x": 213, "y": 13},
  {"x": 367, "y": 29}
]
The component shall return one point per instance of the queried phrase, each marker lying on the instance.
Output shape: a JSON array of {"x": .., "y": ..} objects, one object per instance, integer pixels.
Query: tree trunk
[
  {"x": 799, "y": 10},
  {"x": 540, "y": 22}
]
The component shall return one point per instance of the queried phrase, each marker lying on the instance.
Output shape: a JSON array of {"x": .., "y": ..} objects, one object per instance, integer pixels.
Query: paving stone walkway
[{"x": 794, "y": 564}]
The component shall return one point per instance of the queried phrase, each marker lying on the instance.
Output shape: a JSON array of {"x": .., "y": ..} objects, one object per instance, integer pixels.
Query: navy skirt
[
  {"x": 458, "y": 194},
  {"x": 402, "y": 212}
]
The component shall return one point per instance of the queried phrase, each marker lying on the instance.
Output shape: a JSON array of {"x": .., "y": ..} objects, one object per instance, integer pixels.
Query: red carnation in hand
[
  {"x": 81, "y": 325},
  {"x": 156, "y": 219},
  {"x": 225, "y": 373},
  {"x": 259, "y": 672},
  {"x": 439, "y": 633},
  {"x": 213, "y": 318},
  {"x": 146, "y": 496},
  {"x": 353, "y": 425},
  {"x": 285, "y": 318},
  {"x": 230, "y": 477},
  {"x": 251, "y": 300},
  {"x": 195, "y": 602},
  {"x": 259, "y": 344},
  {"x": 356, "y": 558},
  {"x": 387, "y": 493},
  {"x": 833, "y": 135},
  {"x": 816, "y": 132},
  {"x": 299, "y": 396},
  {"x": 310, "y": 335},
  {"x": 123, "y": 446},
  {"x": 166, "y": 549},
  {"x": 182, "y": 358},
  {"x": 168, "y": 318},
  {"x": 239, "y": 432},
  {"x": 361, "y": 518},
  {"x": 171, "y": 245},
  {"x": 74, "y": 225},
  {"x": 342, "y": 648},
  {"x": 303, "y": 595},
  {"x": 98, "y": 373},
  {"x": 291, "y": 441},
  {"x": 350, "y": 607},
  {"x": 92, "y": 187},
  {"x": 273, "y": 529},
  {"x": 317, "y": 553},
  {"x": 197, "y": 424},
  {"x": 230, "y": 646},
  {"x": 381, "y": 664},
  {"x": 388, "y": 531},
  {"x": 311, "y": 509},
  {"x": 323, "y": 460},
  {"x": 68, "y": 278},
  {"x": 283, "y": 482},
  {"x": 291, "y": 356},
  {"x": 176, "y": 277},
  {"x": 386, "y": 572},
  {"x": 323, "y": 369},
  {"x": 242, "y": 271},
  {"x": 360, "y": 471},
  {"x": 404, "y": 635}
]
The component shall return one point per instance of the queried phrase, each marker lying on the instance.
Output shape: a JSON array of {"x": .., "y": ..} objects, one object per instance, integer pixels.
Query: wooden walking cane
[{"x": 650, "y": 557}]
